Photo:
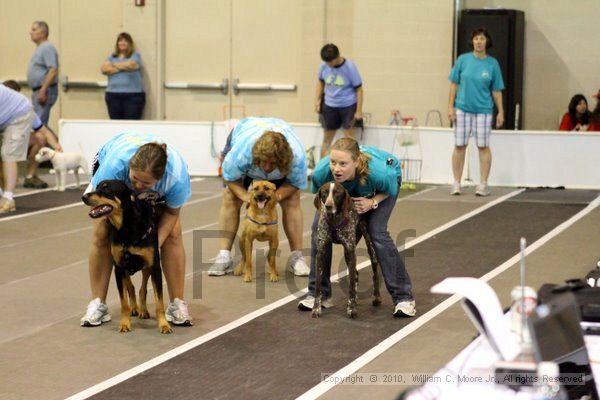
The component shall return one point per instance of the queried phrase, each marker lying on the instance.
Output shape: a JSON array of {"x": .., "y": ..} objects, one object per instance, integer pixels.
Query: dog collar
[
  {"x": 341, "y": 224},
  {"x": 261, "y": 223}
]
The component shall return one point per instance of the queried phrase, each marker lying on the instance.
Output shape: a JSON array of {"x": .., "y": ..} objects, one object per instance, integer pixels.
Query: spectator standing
[
  {"x": 42, "y": 73},
  {"x": 341, "y": 85},
  {"x": 475, "y": 85},
  {"x": 125, "y": 97}
]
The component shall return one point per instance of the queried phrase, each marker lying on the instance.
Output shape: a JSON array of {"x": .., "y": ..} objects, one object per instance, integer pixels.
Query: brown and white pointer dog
[
  {"x": 260, "y": 224},
  {"x": 340, "y": 223}
]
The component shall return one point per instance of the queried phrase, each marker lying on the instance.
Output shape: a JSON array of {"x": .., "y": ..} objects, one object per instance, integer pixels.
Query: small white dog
[{"x": 63, "y": 162}]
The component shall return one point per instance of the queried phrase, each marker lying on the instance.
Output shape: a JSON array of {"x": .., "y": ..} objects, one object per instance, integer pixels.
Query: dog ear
[
  {"x": 318, "y": 200},
  {"x": 348, "y": 204}
]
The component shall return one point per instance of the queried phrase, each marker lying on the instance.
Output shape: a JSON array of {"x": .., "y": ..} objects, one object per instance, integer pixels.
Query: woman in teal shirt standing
[
  {"x": 372, "y": 177},
  {"x": 475, "y": 85}
]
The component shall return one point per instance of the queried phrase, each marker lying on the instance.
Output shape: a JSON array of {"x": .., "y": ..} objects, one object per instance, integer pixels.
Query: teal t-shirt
[
  {"x": 384, "y": 170},
  {"x": 476, "y": 79}
]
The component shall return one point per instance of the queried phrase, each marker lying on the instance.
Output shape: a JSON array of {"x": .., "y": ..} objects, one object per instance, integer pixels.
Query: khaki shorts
[{"x": 16, "y": 138}]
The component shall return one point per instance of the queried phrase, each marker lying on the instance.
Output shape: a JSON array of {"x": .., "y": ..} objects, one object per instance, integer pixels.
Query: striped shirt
[
  {"x": 113, "y": 160},
  {"x": 238, "y": 162}
]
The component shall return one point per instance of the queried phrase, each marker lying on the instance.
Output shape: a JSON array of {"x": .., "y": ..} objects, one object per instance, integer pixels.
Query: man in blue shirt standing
[
  {"x": 42, "y": 73},
  {"x": 17, "y": 119},
  {"x": 42, "y": 77},
  {"x": 341, "y": 84}
]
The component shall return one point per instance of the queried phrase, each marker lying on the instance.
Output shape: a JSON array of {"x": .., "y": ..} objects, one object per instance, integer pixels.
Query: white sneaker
[
  {"x": 223, "y": 265},
  {"x": 309, "y": 301},
  {"x": 405, "y": 309},
  {"x": 297, "y": 264},
  {"x": 96, "y": 314},
  {"x": 482, "y": 190},
  {"x": 177, "y": 313},
  {"x": 455, "y": 191}
]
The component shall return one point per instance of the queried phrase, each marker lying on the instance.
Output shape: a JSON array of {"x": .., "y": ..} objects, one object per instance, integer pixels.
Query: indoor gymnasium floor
[{"x": 249, "y": 340}]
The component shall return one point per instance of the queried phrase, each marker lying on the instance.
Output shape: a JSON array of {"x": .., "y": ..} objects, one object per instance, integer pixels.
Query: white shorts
[
  {"x": 470, "y": 124},
  {"x": 16, "y": 138}
]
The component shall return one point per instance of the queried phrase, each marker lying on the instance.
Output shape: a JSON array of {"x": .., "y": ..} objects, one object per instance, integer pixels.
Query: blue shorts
[{"x": 334, "y": 117}]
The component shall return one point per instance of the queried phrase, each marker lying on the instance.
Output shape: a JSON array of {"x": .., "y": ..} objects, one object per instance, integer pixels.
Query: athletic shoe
[
  {"x": 297, "y": 265},
  {"x": 96, "y": 314},
  {"x": 7, "y": 206},
  {"x": 309, "y": 301},
  {"x": 178, "y": 314},
  {"x": 35, "y": 182},
  {"x": 223, "y": 265},
  {"x": 482, "y": 190},
  {"x": 405, "y": 309},
  {"x": 455, "y": 191}
]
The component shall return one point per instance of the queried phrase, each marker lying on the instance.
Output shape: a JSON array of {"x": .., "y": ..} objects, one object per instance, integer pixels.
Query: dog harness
[{"x": 261, "y": 223}]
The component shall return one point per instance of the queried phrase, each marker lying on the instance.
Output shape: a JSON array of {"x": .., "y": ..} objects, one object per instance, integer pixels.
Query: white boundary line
[
  {"x": 255, "y": 314},
  {"x": 47, "y": 210},
  {"x": 376, "y": 351}
]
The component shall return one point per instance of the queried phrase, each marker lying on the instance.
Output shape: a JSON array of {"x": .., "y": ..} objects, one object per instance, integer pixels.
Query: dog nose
[{"x": 85, "y": 198}]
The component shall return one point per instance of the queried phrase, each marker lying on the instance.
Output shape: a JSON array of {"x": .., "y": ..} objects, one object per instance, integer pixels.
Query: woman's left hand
[{"x": 362, "y": 204}]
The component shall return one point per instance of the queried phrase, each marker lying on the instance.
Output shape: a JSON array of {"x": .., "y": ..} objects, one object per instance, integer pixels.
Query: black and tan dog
[
  {"x": 134, "y": 246},
  {"x": 260, "y": 224},
  {"x": 340, "y": 223}
]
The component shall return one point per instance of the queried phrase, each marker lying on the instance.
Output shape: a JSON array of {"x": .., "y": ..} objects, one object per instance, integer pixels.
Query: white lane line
[
  {"x": 47, "y": 210},
  {"x": 255, "y": 314},
  {"x": 386, "y": 344}
]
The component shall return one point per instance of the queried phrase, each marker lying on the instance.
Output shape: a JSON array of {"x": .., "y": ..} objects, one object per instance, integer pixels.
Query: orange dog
[{"x": 260, "y": 224}]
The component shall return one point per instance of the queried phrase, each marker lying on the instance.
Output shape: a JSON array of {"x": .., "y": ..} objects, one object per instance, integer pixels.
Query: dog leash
[{"x": 261, "y": 223}]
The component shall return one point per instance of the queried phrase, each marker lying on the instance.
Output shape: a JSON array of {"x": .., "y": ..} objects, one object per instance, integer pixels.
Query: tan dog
[{"x": 260, "y": 224}]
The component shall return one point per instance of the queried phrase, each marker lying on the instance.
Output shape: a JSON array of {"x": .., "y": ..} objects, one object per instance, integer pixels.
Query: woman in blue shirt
[
  {"x": 372, "y": 177},
  {"x": 145, "y": 163},
  {"x": 475, "y": 85},
  {"x": 125, "y": 97}
]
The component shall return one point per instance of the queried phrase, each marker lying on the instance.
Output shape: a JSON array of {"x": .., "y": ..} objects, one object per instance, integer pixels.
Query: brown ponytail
[{"x": 151, "y": 157}]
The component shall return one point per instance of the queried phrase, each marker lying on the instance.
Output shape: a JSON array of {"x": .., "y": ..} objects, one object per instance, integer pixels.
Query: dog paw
[
  {"x": 274, "y": 278},
  {"x": 124, "y": 327},
  {"x": 316, "y": 313},
  {"x": 247, "y": 278},
  {"x": 376, "y": 301},
  {"x": 351, "y": 313},
  {"x": 166, "y": 329},
  {"x": 144, "y": 314},
  {"x": 134, "y": 312},
  {"x": 238, "y": 270}
]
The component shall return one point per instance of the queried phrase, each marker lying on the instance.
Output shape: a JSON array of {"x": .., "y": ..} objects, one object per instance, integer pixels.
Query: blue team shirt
[
  {"x": 126, "y": 81},
  {"x": 384, "y": 170},
  {"x": 238, "y": 161},
  {"x": 341, "y": 83},
  {"x": 114, "y": 164},
  {"x": 14, "y": 105},
  {"x": 476, "y": 79}
]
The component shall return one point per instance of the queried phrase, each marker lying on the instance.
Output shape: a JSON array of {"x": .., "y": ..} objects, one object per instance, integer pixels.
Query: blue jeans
[
  {"x": 43, "y": 111},
  {"x": 392, "y": 266}
]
